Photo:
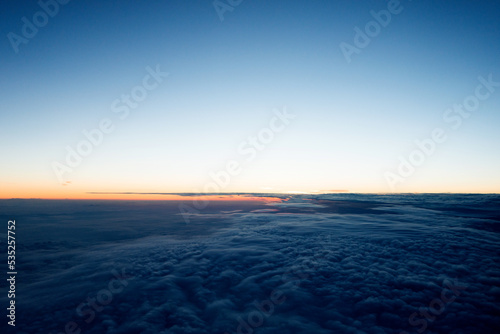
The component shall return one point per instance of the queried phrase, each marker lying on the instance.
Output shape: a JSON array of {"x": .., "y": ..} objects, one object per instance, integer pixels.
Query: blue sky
[{"x": 227, "y": 78}]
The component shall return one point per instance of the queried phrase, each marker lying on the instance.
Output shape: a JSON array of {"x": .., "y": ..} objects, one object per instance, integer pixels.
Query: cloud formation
[{"x": 338, "y": 263}]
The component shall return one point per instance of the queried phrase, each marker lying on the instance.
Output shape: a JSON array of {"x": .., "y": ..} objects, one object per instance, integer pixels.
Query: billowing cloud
[{"x": 319, "y": 264}]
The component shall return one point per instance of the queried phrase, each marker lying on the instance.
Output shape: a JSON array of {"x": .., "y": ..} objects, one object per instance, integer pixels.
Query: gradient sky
[{"x": 227, "y": 78}]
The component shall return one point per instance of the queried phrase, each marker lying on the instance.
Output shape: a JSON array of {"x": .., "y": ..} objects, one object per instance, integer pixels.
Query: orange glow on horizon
[
  {"x": 154, "y": 197},
  {"x": 49, "y": 190}
]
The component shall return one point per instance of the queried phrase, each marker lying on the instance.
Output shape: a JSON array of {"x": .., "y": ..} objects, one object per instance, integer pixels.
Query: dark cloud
[{"x": 318, "y": 264}]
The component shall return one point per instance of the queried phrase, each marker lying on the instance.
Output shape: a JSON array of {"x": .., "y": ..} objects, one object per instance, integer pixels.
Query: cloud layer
[{"x": 312, "y": 264}]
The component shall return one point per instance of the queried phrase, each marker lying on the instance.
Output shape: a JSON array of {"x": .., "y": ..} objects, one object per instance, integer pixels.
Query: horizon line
[{"x": 254, "y": 194}]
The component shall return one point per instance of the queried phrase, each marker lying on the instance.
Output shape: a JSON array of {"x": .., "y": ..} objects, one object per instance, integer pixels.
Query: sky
[{"x": 248, "y": 96}]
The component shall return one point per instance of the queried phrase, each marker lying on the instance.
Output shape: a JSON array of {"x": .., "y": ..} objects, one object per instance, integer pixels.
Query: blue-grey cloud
[{"x": 335, "y": 264}]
